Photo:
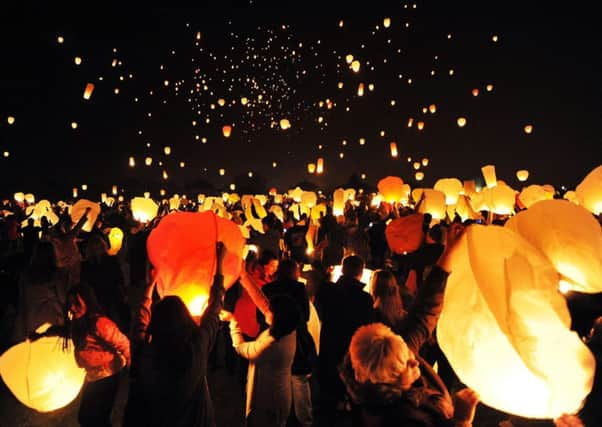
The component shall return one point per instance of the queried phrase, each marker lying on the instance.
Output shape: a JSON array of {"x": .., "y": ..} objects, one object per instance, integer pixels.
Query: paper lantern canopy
[
  {"x": 405, "y": 234},
  {"x": 391, "y": 188},
  {"x": 182, "y": 249},
  {"x": 451, "y": 187},
  {"x": 569, "y": 236},
  {"x": 115, "y": 240},
  {"x": 79, "y": 209},
  {"x": 515, "y": 349},
  {"x": 589, "y": 191},
  {"x": 19, "y": 197},
  {"x": 433, "y": 203},
  {"x": 41, "y": 375},
  {"x": 143, "y": 209},
  {"x": 338, "y": 202}
]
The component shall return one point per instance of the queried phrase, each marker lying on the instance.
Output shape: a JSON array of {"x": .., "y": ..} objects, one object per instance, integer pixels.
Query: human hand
[
  {"x": 453, "y": 236},
  {"x": 225, "y": 316},
  {"x": 465, "y": 405},
  {"x": 566, "y": 420}
]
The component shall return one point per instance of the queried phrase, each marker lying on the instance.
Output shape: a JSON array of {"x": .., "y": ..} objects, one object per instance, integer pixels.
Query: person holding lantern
[
  {"x": 168, "y": 380},
  {"x": 388, "y": 380}
]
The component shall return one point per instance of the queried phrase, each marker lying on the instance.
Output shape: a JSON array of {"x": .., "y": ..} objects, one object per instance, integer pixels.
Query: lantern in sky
[
  {"x": 148, "y": 161},
  {"x": 489, "y": 175},
  {"x": 60, "y": 39},
  {"x": 285, "y": 124},
  {"x": 387, "y": 22},
  {"x": 115, "y": 240},
  {"x": 419, "y": 176},
  {"x": 393, "y": 148},
  {"x": 77, "y": 60},
  {"x": 416, "y": 165},
  {"x": 222, "y": 172},
  {"x": 355, "y": 66},
  {"x": 420, "y": 125},
  {"x": 182, "y": 249},
  {"x": 451, "y": 187},
  {"x": 569, "y": 236},
  {"x": 349, "y": 58},
  {"x": 244, "y": 100},
  {"x": 410, "y": 122},
  {"x": 432, "y": 108},
  {"x": 391, "y": 188},
  {"x": 74, "y": 192},
  {"x": 226, "y": 130},
  {"x": 338, "y": 202},
  {"x": 502, "y": 199},
  {"x": 522, "y": 175},
  {"x": 475, "y": 92},
  {"x": 221, "y": 102},
  {"x": 73, "y": 125},
  {"x": 311, "y": 167},
  {"x": 489, "y": 87},
  {"x": 461, "y": 122},
  {"x": 30, "y": 198},
  {"x": 78, "y": 210},
  {"x": 360, "y": 89},
  {"x": 41, "y": 375},
  {"x": 320, "y": 166},
  {"x": 10, "y": 120},
  {"x": 309, "y": 199},
  {"x": 433, "y": 202},
  {"x": 494, "y": 38},
  {"x": 589, "y": 191},
  {"x": 19, "y": 197},
  {"x": 132, "y": 162},
  {"x": 405, "y": 234},
  {"x": 88, "y": 90},
  {"x": 528, "y": 129},
  {"x": 516, "y": 340},
  {"x": 425, "y": 161}
]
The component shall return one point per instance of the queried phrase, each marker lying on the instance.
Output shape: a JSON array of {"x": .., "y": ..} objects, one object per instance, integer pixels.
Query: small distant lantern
[
  {"x": 425, "y": 161},
  {"x": 528, "y": 129},
  {"x": 393, "y": 148},
  {"x": 132, "y": 162},
  {"x": 419, "y": 176},
  {"x": 311, "y": 167},
  {"x": 320, "y": 166},
  {"x": 432, "y": 108},
  {"x": 88, "y": 91},
  {"x": 420, "y": 125},
  {"x": 387, "y": 22},
  {"x": 148, "y": 161},
  {"x": 360, "y": 89},
  {"x": 285, "y": 124},
  {"x": 226, "y": 130},
  {"x": 114, "y": 190},
  {"x": 461, "y": 122},
  {"x": 522, "y": 175},
  {"x": 167, "y": 150},
  {"x": 475, "y": 92}
]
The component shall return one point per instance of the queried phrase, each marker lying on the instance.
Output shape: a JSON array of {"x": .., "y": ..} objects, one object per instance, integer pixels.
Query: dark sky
[{"x": 544, "y": 68}]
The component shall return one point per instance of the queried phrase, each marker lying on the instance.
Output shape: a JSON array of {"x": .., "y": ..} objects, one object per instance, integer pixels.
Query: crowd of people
[{"x": 373, "y": 362}]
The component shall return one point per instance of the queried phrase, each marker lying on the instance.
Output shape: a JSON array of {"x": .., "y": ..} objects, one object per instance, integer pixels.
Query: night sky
[{"x": 176, "y": 63}]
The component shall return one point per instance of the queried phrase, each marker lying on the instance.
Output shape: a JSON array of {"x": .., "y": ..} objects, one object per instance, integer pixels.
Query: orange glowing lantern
[
  {"x": 589, "y": 191},
  {"x": 285, "y": 124},
  {"x": 489, "y": 175},
  {"x": 338, "y": 202},
  {"x": 405, "y": 234},
  {"x": 115, "y": 240},
  {"x": 433, "y": 202},
  {"x": 320, "y": 166},
  {"x": 78, "y": 210},
  {"x": 88, "y": 91},
  {"x": 148, "y": 161},
  {"x": 387, "y": 22},
  {"x": 226, "y": 130},
  {"x": 349, "y": 58},
  {"x": 522, "y": 175},
  {"x": 531, "y": 195},
  {"x": 416, "y": 165},
  {"x": 451, "y": 187},
  {"x": 425, "y": 161},
  {"x": 393, "y": 147},
  {"x": 475, "y": 92},
  {"x": 355, "y": 66},
  {"x": 143, "y": 209},
  {"x": 311, "y": 167},
  {"x": 528, "y": 129},
  {"x": 516, "y": 338},
  {"x": 182, "y": 250},
  {"x": 360, "y": 89},
  {"x": 419, "y": 176},
  {"x": 391, "y": 188},
  {"x": 420, "y": 125},
  {"x": 432, "y": 108},
  {"x": 221, "y": 102},
  {"x": 461, "y": 122}
]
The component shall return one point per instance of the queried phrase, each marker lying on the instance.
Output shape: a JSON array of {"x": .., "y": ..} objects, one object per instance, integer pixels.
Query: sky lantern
[
  {"x": 74, "y": 125},
  {"x": 432, "y": 108},
  {"x": 589, "y": 191},
  {"x": 393, "y": 147},
  {"x": 340, "y": 85},
  {"x": 569, "y": 236},
  {"x": 244, "y": 100},
  {"x": 182, "y": 250},
  {"x": 489, "y": 87},
  {"x": 387, "y": 22},
  {"x": 410, "y": 122},
  {"x": 549, "y": 190},
  {"x": 349, "y": 58},
  {"x": 198, "y": 35},
  {"x": 167, "y": 150},
  {"x": 148, "y": 161},
  {"x": 222, "y": 172},
  {"x": 571, "y": 196},
  {"x": 74, "y": 192},
  {"x": 320, "y": 166},
  {"x": 489, "y": 175},
  {"x": 531, "y": 195},
  {"x": 528, "y": 129},
  {"x": 30, "y": 198},
  {"x": 405, "y": 234},
  {"x": 494, "y": 38},
  {"x": 391, "y": 188},
  {"x": 360, "y": 89},
  {"x": 285, "y": 124},
  {"x": 309, "y": 199},
  {"x": 311, "y": 167},
  {"x": 465, "y": 210},
  {"x": 503, "y": 198},
  {"x": 522, "y": 175},
  {"x": 132, "y": 162},
  {"x": 420, "y": 125},
  {"x": 416, "y": 165},
  {"x": 10, "y": 120},
  {"x": 475, "y": 92},
  {"x": 164, "y": 174},
  {"x": 419, "y": 176},
  {"x": 425, "y": 161},
  {"x": 88, "y": 90},
  {"x": 115, "y": 240},
  {"x": 114, "y": 190},
  {"x": 355, "y": 66},
  {"x": 77, "y": 60},
  {"x": 19, "y": 197},
  {"x": 60, "y": 39},
  {"x": 78, "y": 210},
  {"x": 338, "y": 202},
  {"x": 41, "y": 375},
  {"x": 461, "y": 122},
  {"x": 451, "y": 187},
  {"x": 226, "y": 130},
  {"x": 221, "y": 102},
  {"x": 516, "y": 340},
  {"x": 433, "y": 203}
]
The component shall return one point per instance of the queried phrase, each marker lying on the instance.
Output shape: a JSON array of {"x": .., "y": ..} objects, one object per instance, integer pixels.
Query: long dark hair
[
  {"x": 385, "y": 291},
  {"x": 80, "y": 328},
  {"x": 285, "y": 316},
  {"x": 172, "y": 328}
]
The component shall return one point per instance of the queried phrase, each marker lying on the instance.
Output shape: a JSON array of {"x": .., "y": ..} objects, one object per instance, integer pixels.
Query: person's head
[
  {"x": 283, "y": 317},
  {"x": 378, "y": 355},
  {"x": 288, "y": 269},
  {"x": 30, "y": 222},
  {"x": 81, "y": 302},
  {"x": 269, "y": 262},
  {"x": 96, "y": 247},
  {"x": 435, "y": 234},
  {"x": 385, "y": 292},
  {"x": 353, "y": 266}
]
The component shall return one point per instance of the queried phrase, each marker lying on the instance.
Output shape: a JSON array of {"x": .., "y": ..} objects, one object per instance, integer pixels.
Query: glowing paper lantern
[
  {"x": 419, "y": 176},
  {"x": 420, "y": 125},
  {"x": 167, "y": 150},
  {"x": 182, "y": 249},
  {"x": 531, "y": 195},
  {"x": 405, "y": 234},
  {"x": 391, "y": 188},
  {"x": 503, "y": 198},
  {"x": 311, "y": 167},
  {"x": 148, "y": 161},
  {"x": 489, "y": 87},
  {"x": 387, "y": 22},
  {"x": 569, "y": 236},
  {"x": 432, "y": 108},
  {"x": 132, "y": 162},
  {"x": 461, "y": 122},
  {"x": 360, "y": 89},
  {"x": 589, "y": 191},
  {"x": 19, "y": 197},
  {"x": 143, "y": 209},
  {"x": 10, "y": 120},
  {"x": 244, "y": 100},
  {"x": 522, "y": 175},
  {"x": 416, "y": 165},
  {"x": 465, "y": 210},
  {"x": 41, "y": 375},
  {"x": 425, "y": 161},
  {"x": 528, "y": 129},
  {"x": 309, "y": 199},
  {"x": 451, "y": 187},
  {"x": 226, "y": 130},
  {"x": 221, "y": 102},
  {"x": 88, "y": 91},
  {"x": 475, "y": 92},
  {"x": 393, "y": 147},
  {"x": 434, "y": 204},
  {"x": 571, "y": 196},
  {"x": 355, "y": 66},
  {"x": 516, "y": 341},
  {"x": 349, "y": 58},
  {"x": 285, "y": 124},
  {"x": 489, "y": 175},
  {"x": 174, "y": 203},
  {"x": 320, "y": 166},
  {"x": 115, "y": 240},
  {"x": 78, "y": 210},
  {"x": 30, "y": 198},
  {"x": 338, "y": 202}
]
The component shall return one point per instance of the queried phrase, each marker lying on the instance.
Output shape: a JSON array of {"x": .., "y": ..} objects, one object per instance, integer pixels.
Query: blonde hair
[{"x": 378, "y": 355}]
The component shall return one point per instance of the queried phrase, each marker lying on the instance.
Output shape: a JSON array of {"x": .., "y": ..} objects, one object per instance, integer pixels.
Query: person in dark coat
[{"x": 342, "y": 307}]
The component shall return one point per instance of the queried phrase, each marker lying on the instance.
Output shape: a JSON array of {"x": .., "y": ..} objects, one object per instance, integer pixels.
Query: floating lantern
[
  {"x": 416, "y": 165},
  {"x": 433, "y": 202},
  {"x": 419, "y": 176},
  {"x": 74, "y": 125},
  {"x": 349, "y": 59},
  {"x": 60, "y": 39},
  {"x": 148, "y": 161},
  {"x": 74, "y": 192},
  {"x": 405, "y": 234},
  {"x": 244, "y": 100},
  {"x": 88, "y": 90},
  {"x": 226, "y": 130},
  {"x": 387, "y": 22},
  {"x": 489, "y": 87},
  {"x": 338, "y": 202},
  {"x": 489, "y": 175},
  {"x": 531, "y": 195},
  {"x": 78, "y": 210},
  {"x": 222, "y": 172},
  {"x": 391, "y": 189},
  {"x": 132, "y": 162},
  {"x": 475, "y": 92},
  {"x": 221, "y": 102},
  {"x": 311, "y": 167},
  {"x": 451, "y": 187},
  {"x": 182, "y": 250},
  {"x": 569, "y": 236},
  {"x": 41, "y": 375},
  {"x": 425, "y": 161},
  {"x": 589, "y": 191},
  {"x": 516, "y": 340},
  {"x": 393, "y": 148},
  {"x": 285, "y": 124},
  {"x": 360, "y": 89},
  {"x": 355, "y": 66},
  {"x": 420, "y": 125},
  {"x": 320, "y": 166},
  {"x": 10, "y": 120},
  {"x": 461, "y": 122},
  {"x": 19, "y": 197},
  {"x": 167, "y": 150},
  {"x": 502, "y": 200},
  {"x": 432, "y": 108},
  {"x": 410, "y": 122},
  {"x": 528, "y": 129},
  {"x": 77, "y": 60},
  {"x": 30, "y": 198},
  {"x": 115, "y": 240},
  {"x": 522, "y": 175}
]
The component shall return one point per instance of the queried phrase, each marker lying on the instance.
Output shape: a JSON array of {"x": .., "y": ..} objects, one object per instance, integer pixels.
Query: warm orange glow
[
  {"x": 420, "y": 125},
  {"x": 528, "y": 129},
  {"x": 432, "y": 108},
  {"x": 227, "y": 130},
  {"x": 311, "y": 167},
  {"x": 391, "y": 188},
  {"x": 461, "y": 122},
  {"x": 115, "y": 240},
  {"x": 393, "y": 147},
  {"x": 320, "y": 166},
  {"x": 88, "y": 91},
  {"x": 475, "y": 92},
  {"x": 144, "y": 209},
  {"x": 285, "y": 124},
  {"x": 522, "y": 175},
  {"x": 360, "y": 89},
  {"x": 355, "y": 66},
  {"x": 489, "y": 175},
  {"x": 419, "y": 176},
  {"x": 387, "y": 22}
]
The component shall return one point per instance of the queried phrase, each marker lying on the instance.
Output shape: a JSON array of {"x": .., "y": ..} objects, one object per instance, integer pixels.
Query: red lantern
[
  {"x": 227, "y": 130},
  {"x": 182, "y": 249},
  {"x": 405, "y": 234}
]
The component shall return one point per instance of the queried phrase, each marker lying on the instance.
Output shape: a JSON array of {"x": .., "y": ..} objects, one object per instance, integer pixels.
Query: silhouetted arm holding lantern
[
  {"x": 418, "y": 325},
  {"x": 80, "y": 224},
  {"x": 210, "y": 322}
]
